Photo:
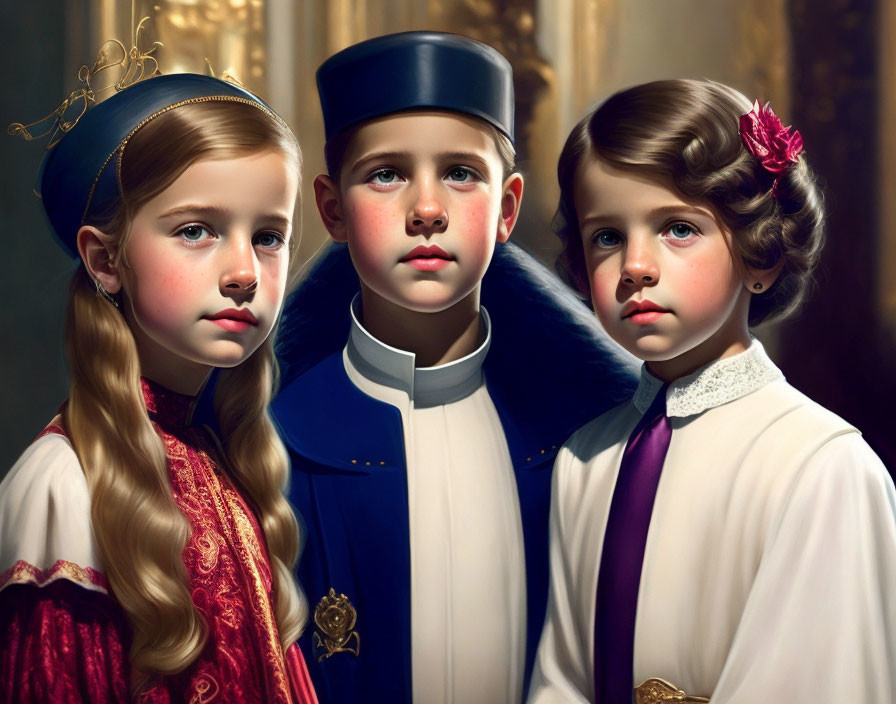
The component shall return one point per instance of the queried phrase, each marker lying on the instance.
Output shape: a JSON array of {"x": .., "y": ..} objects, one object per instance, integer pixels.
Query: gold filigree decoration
[
  {"x": 205, "y": 689},
  {"x": 136, "y": 64},
  {"x": 658, "y": 691},
  {"x": 226, "y": 76},
  {"x": 335, "y": 617}
]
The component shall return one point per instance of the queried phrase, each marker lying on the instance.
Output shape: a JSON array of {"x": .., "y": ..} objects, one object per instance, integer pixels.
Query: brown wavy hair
[
  {"x": 686, "y": 132},
  {"x": 140, "y": 532}
]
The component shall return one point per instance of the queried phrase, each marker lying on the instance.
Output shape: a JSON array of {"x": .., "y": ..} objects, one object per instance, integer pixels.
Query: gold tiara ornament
[
  {"x": 136, "y": 64},
  {"x": 81, "y": 172}
]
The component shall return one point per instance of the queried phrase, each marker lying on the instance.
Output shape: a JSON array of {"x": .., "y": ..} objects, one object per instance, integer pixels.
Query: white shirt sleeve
[
  {"x": 562, "y": 672},
  {"x": 819, "y": 623},
  {"x": 45, "y": 526}
]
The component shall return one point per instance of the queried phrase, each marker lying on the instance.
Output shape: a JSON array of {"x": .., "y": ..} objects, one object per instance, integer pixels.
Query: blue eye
[
  {"x": 384, "y": 176},
  {"x": 607, "y": 238},
  {"x": 270, "y": 240},
  {"x": 194, "y": 233},
  {"x": 460, "y": 174},
  {"x": 681, "y": 230}
]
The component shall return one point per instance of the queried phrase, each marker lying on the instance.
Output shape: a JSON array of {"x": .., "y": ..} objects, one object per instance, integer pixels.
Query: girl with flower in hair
[
  {"x": 145, "y": 557},
  {"x": 720, "y": 537}
]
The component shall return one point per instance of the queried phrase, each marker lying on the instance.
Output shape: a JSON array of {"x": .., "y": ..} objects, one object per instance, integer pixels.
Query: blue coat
[{"x": 549, "y": 370}]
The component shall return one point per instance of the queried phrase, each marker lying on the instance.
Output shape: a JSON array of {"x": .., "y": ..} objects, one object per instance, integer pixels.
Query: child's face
[
  {"x": 421, "y": 201},
  {"x": 663, "y": 281},
  {"x": 205, "y": 266}
]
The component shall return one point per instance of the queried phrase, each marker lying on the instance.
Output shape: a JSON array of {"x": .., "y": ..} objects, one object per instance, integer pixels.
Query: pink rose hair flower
[{"x": 776, "y": 146}]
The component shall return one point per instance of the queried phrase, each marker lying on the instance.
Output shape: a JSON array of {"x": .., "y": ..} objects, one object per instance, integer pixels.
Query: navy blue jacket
[{"x": 549, "y": 370}]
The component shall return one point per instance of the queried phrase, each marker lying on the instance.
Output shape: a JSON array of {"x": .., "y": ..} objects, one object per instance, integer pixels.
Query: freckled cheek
[
  {"x": 374, "y": 222},
  {"x": 164, "y": 304},
  {"x": 476, "y": 225},
  {"x": 160, "y": 285},
  {"x": 375, "y": 229}
]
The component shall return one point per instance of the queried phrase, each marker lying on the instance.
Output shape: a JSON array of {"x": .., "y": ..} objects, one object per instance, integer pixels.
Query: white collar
[
  {"x": 395, "y": 368},
  {"x": 721, "y": 381}
]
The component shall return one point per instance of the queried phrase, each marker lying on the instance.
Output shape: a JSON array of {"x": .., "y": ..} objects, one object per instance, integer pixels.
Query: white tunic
[
  {"x": 45, "y": 528},
  {"x": 769, "y": 573},
  {"x": 468, "y": 584}
]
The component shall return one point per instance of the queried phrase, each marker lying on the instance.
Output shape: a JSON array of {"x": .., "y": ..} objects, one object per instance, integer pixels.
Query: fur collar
[{"x": 546, "y": 343}]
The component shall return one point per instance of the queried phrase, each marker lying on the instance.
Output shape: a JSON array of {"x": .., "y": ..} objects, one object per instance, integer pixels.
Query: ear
[
  {"x": 511, "y": 198},
  {"x": 95, "y": 248},
  {"x": 760, "y": 280},
  {"x": 326, "y": 195}
]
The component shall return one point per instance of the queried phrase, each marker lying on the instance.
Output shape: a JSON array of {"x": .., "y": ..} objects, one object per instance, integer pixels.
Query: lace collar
[
  {"x": 165, "y": 407},
  {"x": 395, "y": 368},
  {"x": 718, "y": 382}
]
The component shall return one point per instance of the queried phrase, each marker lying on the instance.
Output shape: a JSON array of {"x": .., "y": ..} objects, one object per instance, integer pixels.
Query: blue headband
[
  {"x": 79, "y": 175},
  {"x": 416, "y": 70}
]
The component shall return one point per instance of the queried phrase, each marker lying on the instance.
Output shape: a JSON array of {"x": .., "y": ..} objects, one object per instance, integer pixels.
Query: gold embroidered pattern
[
  {"x": 658, "y": 691},
  {"x": 205, "y": 689},
  {"x": 335, "y": 617},
  {"x": 25, "y": 573},
  {"x": 207, "y": 547},
  {"x": 224, "y": 532},
  {"x": 247, "y": 544}
]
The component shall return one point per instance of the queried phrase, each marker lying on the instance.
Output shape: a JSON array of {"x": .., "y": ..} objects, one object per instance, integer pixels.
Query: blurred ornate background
[{"x": 828, "y": 66}]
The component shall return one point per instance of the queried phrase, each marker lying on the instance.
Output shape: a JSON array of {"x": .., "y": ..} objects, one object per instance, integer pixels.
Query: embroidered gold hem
[
  {"x": 659, "y": 691},
  {"x": 23, "y": 572}
]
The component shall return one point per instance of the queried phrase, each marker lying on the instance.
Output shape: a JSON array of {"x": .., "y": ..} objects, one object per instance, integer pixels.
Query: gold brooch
[
  {"x": 335, "y": 617},
  {"x": 657, "y": 691}
]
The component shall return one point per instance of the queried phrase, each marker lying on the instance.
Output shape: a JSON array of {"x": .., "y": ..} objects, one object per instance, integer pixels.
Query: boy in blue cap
[{"x": 421, "y": 426}]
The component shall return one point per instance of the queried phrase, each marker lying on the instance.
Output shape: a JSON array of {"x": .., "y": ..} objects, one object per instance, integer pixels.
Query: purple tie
[{"x": 623, "y": 554}]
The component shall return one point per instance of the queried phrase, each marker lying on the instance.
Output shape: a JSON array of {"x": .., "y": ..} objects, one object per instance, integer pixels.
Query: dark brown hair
[{"x": 687, "y": 132}]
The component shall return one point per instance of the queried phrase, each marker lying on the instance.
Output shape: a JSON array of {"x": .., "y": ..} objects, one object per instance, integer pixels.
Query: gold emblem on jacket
[
  {"x": 657, "y": 691},
  {"x": 335, "y": 618}
]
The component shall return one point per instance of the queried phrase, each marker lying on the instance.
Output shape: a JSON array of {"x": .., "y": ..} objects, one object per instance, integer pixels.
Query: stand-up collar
[
  {"x": 721, "y": 381},
  {"x": 426, "y": 386},
  {"x": 166, "y": 407}
]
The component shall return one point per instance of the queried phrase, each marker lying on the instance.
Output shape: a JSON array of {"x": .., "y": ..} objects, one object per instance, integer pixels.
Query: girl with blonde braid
[{"x": 142, "y": 555}]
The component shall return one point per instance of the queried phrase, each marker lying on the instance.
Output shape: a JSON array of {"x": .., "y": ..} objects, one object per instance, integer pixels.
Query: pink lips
[
  {"x": 233, "y": 320},
  {"x": 425, "y": 258},
  {"x": 642, "y": 312}
]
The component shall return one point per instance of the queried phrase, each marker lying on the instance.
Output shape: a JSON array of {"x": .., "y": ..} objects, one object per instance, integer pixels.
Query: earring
[
  {"x": 757, "y": 286},
  {"x": 105, "y": 294}
]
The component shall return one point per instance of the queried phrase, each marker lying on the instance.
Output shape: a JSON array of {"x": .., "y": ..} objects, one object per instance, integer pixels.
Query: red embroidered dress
[{"x": 64, "y": 638}]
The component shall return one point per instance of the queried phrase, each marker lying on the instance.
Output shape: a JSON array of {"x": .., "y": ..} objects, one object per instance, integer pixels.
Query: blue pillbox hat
[
  {"x": 415, "y": 70},
  {"x": 79, "y": 175}
]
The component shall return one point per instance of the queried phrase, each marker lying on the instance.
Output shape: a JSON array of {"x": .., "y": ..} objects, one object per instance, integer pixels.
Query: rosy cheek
[
  {"x": 604, "y": 282},
  {"x": 474, "y": 225},
  {"x": 162, "y": 295},
  {"x": 371, "y": 225},
  {"x": 706, "y": 285},
  {"x": 156, "y": 283}
]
